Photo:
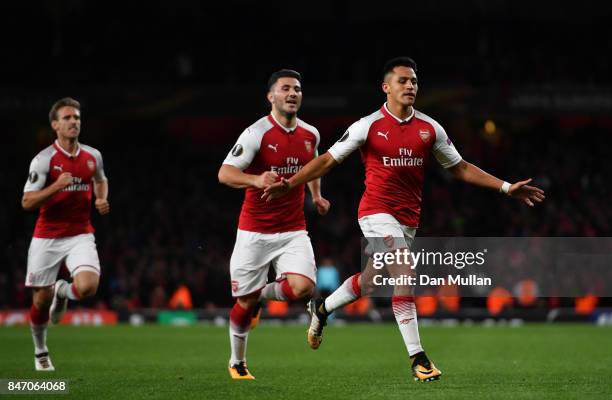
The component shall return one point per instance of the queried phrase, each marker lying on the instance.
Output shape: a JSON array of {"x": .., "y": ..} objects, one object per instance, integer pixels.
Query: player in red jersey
[
  {"x": 61, "y": 180},
  {"x": 270, "y": 233},
  {"x": 395, "y": 143}
]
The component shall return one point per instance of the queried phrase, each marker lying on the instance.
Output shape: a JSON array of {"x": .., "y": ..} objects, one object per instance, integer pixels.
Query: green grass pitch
[{"x": 357, "y": 361}]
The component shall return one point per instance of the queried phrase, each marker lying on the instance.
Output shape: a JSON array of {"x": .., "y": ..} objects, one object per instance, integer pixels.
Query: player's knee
[
  {"x": 86, "y": 290},
  {"x": 86, "y": 284},
  {"x": 302, "y": 289},
  {"x": 42, "y": 298},
  {"x": 366, "y": 287},
  {"x": 247, "y": 302}
]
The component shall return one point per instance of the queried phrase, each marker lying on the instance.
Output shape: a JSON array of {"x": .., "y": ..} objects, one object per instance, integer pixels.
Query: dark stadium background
[{"x": 166, "y": 88}]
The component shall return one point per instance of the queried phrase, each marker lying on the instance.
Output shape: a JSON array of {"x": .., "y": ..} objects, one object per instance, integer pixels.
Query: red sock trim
[
  {"x": 240, "y": 316},
  {"x": 287, "y": 291},
  {"x": 355, "y": 284},
  {"x": 74, "y": 291},
  {"x": 38, "y": 317},
  {"x": 402, "y": 299}
]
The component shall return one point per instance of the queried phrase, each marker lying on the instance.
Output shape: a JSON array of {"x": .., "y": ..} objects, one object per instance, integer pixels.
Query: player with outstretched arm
[{"x": 395, "y": 142}]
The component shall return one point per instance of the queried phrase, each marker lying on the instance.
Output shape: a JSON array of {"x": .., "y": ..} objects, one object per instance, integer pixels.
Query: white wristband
[{"x": 505, "y": 187}]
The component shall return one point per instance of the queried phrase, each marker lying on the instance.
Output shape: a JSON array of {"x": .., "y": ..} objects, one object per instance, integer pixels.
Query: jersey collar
[
  {"x": 275, "y": 122},
  {"x": 388, "y": 113},
  {"x": 60, "y": 148}
]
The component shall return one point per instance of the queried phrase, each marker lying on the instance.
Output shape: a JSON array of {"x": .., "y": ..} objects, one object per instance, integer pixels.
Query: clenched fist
[
  {"x": 65, "y": 179},
  {"x": 102, "y": 206},
  {"x": 266, "y": 179}
]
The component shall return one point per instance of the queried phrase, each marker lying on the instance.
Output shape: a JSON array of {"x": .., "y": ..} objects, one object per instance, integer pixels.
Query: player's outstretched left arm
[
  {"x": 319, "y": 201},
  {"x": 520, "y": 190},
  {"x": 101, "y": 192}
]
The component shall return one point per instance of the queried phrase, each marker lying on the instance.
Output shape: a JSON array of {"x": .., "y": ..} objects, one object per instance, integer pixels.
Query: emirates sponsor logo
[
  {"x": 405, "y": 159},
  {"x": 77, "y": 185},
  {"x": 292, "y": 167}
]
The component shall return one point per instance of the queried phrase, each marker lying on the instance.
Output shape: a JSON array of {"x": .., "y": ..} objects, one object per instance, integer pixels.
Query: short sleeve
[
  {"x": 354, "y": 137},
  {"x": 39, "y": 169},
  {"x": 99, "y": 176},
  {"x": 243, "y": 152},
  {"x": 443, "y": 149}
]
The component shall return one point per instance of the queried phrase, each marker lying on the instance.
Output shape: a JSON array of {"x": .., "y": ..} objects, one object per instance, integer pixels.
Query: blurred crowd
[{"x": 476, "y": 42}]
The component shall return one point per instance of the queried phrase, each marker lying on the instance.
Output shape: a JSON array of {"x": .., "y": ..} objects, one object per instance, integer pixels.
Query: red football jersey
[
  {"x": 395, "y": 153},
  {"x": 268, "y": 146},
  {"x": 68, "y": 212}
]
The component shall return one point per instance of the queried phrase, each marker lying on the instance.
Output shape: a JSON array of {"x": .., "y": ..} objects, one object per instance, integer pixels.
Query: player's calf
[{"x": 60, "y": 301}]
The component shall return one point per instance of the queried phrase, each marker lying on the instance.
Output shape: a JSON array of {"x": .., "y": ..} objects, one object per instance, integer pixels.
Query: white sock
[
  {"x": 39, "y": 335},
  {"x": 405, "y": 313},
  {"x": 239, "y": 326},
  {"x": 67, "y": 291},
  {"x": 238, "y": 344},
  {"x": 347, "y": 293}
]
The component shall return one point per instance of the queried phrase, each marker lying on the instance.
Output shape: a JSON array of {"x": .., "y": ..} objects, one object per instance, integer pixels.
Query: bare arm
[
  {"x": 101, "y": 192},
  {"x": 472, "y": 174},
  {"x": 35, "y": 199},
  {"x": 237, "y": 179},
  {"x": 315, "y": 188},
  {"x": 319, "y": 201}
]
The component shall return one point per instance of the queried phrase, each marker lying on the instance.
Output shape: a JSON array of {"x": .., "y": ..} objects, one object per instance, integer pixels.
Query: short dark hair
[
  {"x": 398, "y": 62},
  {"x": 65, "y": 102},
  {"x": 283, "y": 73}
]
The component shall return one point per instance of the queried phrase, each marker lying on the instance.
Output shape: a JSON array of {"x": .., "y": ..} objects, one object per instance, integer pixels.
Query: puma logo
[
  {"x": 275, "y": 147},
  {"x": 384, "y": 135},
  {"x": 59, "y": 167}
]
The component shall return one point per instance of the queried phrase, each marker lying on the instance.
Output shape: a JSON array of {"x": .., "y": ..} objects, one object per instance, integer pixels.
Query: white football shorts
[
  {"x": 384, "y": 233},
  {"x": 45, "y": 257},
  {"x": 288, "y": 252}
]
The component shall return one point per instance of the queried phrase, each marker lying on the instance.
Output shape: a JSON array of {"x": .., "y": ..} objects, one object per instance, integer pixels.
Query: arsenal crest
[
  {"x": 234, "y": 286},
  {"x": 308, "y": 145},
  {"x": 90, "y": 165},
  {"x": 424, "y": 134}
]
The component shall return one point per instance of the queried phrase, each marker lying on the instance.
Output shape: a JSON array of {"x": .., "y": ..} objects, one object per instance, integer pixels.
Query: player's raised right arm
[
  {"x": 235, "y": 178},
  {"x": 35, "y": 199}
]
